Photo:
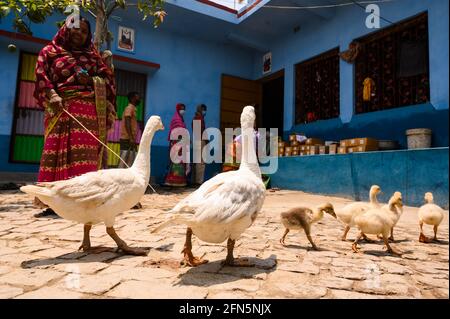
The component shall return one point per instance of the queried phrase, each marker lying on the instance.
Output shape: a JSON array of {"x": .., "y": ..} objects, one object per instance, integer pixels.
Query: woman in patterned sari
[
  {"x": 176, "y": 175},
  {"x": 71, "y": 75}
]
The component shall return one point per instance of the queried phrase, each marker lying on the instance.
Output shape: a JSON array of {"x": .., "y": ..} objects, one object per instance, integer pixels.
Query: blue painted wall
[
  {"x": 412, "y": 172},
  {"x": 190, "y": 73},
  {"x": 347, "y": 24}
]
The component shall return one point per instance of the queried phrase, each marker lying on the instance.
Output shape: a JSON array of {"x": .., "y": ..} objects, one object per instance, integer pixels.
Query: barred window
[
  {"x": 392, "y": 69},
  {"x": 317, "y": 88}
]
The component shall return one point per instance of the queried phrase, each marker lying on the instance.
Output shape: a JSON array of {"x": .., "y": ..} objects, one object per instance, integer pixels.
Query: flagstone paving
[{"x": 39, "y": 257}]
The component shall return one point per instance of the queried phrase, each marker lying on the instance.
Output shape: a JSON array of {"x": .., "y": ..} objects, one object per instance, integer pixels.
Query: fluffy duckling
[
  {"x": 430, "y": 214},
  {"x": 301, "y": 218},
  {"x": 395, "y": 217},
  {"x": 379, "y": 221},
  {"x": 347, "y": 214},
  {"x": 98, "y": 197}
]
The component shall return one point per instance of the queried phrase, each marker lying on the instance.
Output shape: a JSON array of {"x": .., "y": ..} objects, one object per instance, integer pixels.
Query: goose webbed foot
[
  {"x": 389, "y": 248},
  {"x": 189, "y": 259},
  {"x": 236, "y": 262},
  {"x": 86, "y": 244},
  {"x": 424, "y": 239},
  {"x": 355, "y": 248},
  {"x": 394, "y": 252},
  {"x": 132, "y": 251},
  {"x": 122, "y": 246}
]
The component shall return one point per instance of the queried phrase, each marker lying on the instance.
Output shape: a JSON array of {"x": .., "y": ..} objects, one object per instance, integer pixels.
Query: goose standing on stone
[
  {"x": 379, "y": 221},
  {"x": 98, "y": 197},
  {"x": 226, "y": 205},
  {"x": 347, "y": 214},
  {"x": 430, "y": 214}
]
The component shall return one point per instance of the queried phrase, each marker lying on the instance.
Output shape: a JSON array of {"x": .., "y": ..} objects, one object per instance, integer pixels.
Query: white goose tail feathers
[
  {"x": 36, "y": 190},
  {"x": 175, "y": 220}
]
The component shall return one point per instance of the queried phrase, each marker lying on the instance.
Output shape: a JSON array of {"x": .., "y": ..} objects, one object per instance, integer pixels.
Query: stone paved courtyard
[{"x": 39, "y": 257}]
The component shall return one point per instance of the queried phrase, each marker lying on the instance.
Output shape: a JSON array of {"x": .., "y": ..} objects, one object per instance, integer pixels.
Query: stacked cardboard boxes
[{"x": 357, "y": 145}]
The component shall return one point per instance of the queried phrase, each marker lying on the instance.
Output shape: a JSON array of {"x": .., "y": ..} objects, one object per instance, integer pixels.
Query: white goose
[
  {"x": 395, "y": 217},
  {"x": 347, "y": 214},
  {"x": 98, "y": 197},
  {"x": 379, "y": 221},
  {"x": 226, "y": 205},
  {"x": 430, "y": 214}
]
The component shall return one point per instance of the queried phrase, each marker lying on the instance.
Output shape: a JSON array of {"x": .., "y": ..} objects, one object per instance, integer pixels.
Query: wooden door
[{"x": 236, "y": 94}]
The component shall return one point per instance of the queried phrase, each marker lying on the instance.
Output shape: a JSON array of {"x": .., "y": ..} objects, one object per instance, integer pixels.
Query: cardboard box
[
  {"x": 342, "y": 150},
  {"x": 332, "y": 149},
  {"x": 314, "y": 150},
  {"x": 304, "y": 148},
  {"x": 359, "y": 141},
  {"x": 323, "y": 149},
  {"x": 314, "y": 141},
  {"x": 363, "y": 148}
]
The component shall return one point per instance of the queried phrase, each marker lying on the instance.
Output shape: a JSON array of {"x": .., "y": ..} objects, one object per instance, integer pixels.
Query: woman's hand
[{"x": 56, "y": 103}]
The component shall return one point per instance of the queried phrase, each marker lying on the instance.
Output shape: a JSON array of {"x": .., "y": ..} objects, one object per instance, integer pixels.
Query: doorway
[{"x": 273, "y": 101}]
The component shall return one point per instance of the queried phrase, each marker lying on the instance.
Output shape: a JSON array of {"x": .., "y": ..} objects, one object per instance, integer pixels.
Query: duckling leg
[
  {"x": 355, "y": 243},
  {"x": 391, "y": 238},
  {"x": 86, "y": 244},
  {"x": 231, "y": 261},
  {"x": 284, "y": 236},
  {"x": 122, "y": 245},
  {"x": 422, "y": 237},
  {"x": 189, "y": 258},
  {"x": 435, "y": 228},
  {"x": 308, "y": 235},
  {"x": 346, "y": 230},
  {"x": 389, "y": 248}
]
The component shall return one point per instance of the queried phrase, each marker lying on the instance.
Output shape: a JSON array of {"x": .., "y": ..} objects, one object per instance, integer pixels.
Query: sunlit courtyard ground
[{"x": 39, "y": 257}]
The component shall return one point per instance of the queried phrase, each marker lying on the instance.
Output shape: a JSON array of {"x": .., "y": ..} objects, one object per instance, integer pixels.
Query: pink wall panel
[{"x": 26, "y": 99}]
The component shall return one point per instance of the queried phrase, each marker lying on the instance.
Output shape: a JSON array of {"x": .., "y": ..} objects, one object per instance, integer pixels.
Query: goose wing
[
  {"x": 226, "y": 200},
  {"x": 93, "y": 189}
]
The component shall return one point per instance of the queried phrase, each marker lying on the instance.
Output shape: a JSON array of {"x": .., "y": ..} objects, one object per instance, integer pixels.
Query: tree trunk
[{"x": 100, "y": 24}]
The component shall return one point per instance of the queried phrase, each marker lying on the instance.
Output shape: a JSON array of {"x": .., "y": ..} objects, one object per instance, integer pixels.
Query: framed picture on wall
[
  {"x": 126, "y": 39},
  {"x": 267, "y": 63}
]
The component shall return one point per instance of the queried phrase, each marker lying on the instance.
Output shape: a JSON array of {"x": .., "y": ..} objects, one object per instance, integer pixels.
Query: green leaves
[
  {"x": 152, "y": 8},
  {"x": 37, "y": 11}
]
